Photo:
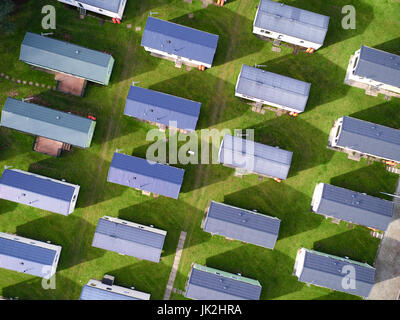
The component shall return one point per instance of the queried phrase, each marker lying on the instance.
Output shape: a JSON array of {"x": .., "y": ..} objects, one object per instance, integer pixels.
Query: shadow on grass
[
  {"x": 372, "y": 180},
  {"x": 81, "y": 167},
  {"x": 222, "y": 21},
  {"x": 7, "y": 206},
  {"x": 307, "y": 143},
  {"x": 62, "y": 231},
  {"x": 386, "y": 114},
  {"x": 144, "y": 276},
  {"x": 309, "y": 69},
  {"x": 162, "y": 213},
  {"x": 392, "y": 46},
  {"x": 273, "y": 269},
  {"x": 33, "y": 289},
  {"x": 337, "y": 295},
  {"x": 333, "y": 9},
  {"x": 201, "y": 87},
  {"x": 357, "y": 244},
  {"x": 267, "y": 198}
]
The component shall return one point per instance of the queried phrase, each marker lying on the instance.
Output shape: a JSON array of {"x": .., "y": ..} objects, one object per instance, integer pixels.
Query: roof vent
[
  {"x": 108, "y": 280},
  {"x": 76, "y": 51},
  {"x": 244, "y": 220},
  {"x": 225, "y": 288},
  {"x": 58, "y": 117}
]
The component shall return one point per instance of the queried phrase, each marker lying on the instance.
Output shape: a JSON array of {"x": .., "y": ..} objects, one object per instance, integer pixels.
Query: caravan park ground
[{"x": 378, "y": 25}]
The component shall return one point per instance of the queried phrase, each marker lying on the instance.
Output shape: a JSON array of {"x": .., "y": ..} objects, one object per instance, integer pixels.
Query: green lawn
[{"x": 378, "y": 25}]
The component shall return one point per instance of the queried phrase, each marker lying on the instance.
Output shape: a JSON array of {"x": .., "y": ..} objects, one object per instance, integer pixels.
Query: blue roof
[
  {"x": 179, "y": 40},
  {"x": 291, "y": 21},
  {"x": 379, "y": 65},
  {"x": 130, "y": 240},
  {"x": 45, "y": 122},
  {"x": 211, "y": 284},
  {"x": 326, "y": 271},
  {"x": 255, "y": 157},
  {"x": 36, "y": 191},
  {"x": 273, "y": 87},
  {"x": 93, "y": 293},
  {"x": 145, "y": 175},
  {"x": 109, "y": 5},
  {"x": 27, "y": 258},
  {"x": 370, "y": 138},
  {"x": 65, "y": 57},
  {"x": 241, "y": 224},
  {"x": 355, "y": 207},
  {"x": 162, "y": 108}
]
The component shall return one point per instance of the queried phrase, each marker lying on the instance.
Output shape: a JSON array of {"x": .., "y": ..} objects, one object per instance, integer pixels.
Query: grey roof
[
  {"x": 355, "y": 207},
  {"x": 179, "y": 40},
  {"x": 53, "y": 124},
  {"x": 272, "y": 87},
  {"x": 109, "y": 5},
  {"x": 145, "y": 175},
  {"x": 326, "y": 271},
  {"x": 255, "y": 157},
  {"x": 292, "y": 21},
  {"x": 128, "y": 240},
  {"x": 370, "y": 138},
  {"x": 36, "y": 191},
  {"x": 65, "y": 57},
  {"x": 379, "y": 65},
  {"x": 211, "y": 284},
  {"x": 241, "y": 224},
  {"x": 93, "y": 293},
  {"x": 26, "y": 258},
  {"x": 162, "y": 108}
]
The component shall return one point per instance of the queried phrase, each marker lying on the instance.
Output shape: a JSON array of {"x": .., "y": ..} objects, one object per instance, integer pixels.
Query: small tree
[{"x": 6, "y": 7}]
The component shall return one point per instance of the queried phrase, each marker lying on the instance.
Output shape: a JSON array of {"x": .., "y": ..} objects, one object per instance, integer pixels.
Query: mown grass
[{"x": 306, "y": 136}]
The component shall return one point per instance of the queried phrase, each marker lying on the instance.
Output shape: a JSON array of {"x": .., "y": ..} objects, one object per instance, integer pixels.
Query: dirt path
[{"x": 387, "y": 262}]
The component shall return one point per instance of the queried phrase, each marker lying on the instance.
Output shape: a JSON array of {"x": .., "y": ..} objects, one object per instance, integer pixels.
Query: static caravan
[
  {"x": 272, "y": 89},
  {"x": 72, "y": 65},
  {"x": 107, "y": 290},
  {"x": 54, "y": 130},
  {"x": 145, "y": 175},
  {"x": 328, "y": 271},
  {"x": 28, "y": 256},
  {"x": 365, "y": 139},
  {"x": 249, "y": 157},
  {"x": 375, "y": 68},
  {"x": 38, "y": 191},
  {"x": 206, "y": 283},
  {"x": 359, "y": 208},
  {"x": 109, "y": 8},
  {"x": 162, "y": 109},
  {"x": 289, "y": 24},
  {"x": 180, "y": 44},
  {"x": 129, "y": 238},
  {"x": 240, "y": 224}
]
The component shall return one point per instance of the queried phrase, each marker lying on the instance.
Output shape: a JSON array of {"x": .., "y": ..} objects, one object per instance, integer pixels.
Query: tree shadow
[
  {"x": 78, "y": 167},
  {"x": 310, "y": 152},
  {"x": 61, "y": 231},
  {"x": 170, "y": 216},
  {"x": 388, "y": 267},
  {"x": 309, "y": 69},
  {"x": 333, "y": 9},
  {"x": 33, "y": 290},
  {"x": 371, "y": 180},
  {"x": 272, "y": 268},
  {"x": 264, "y": 198},
  {"x": 385, "y": 114},
  {"x": 356, "y": 244},
  {"x": 337, "y": 295},
  {"x": 221, "y": 21}
]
